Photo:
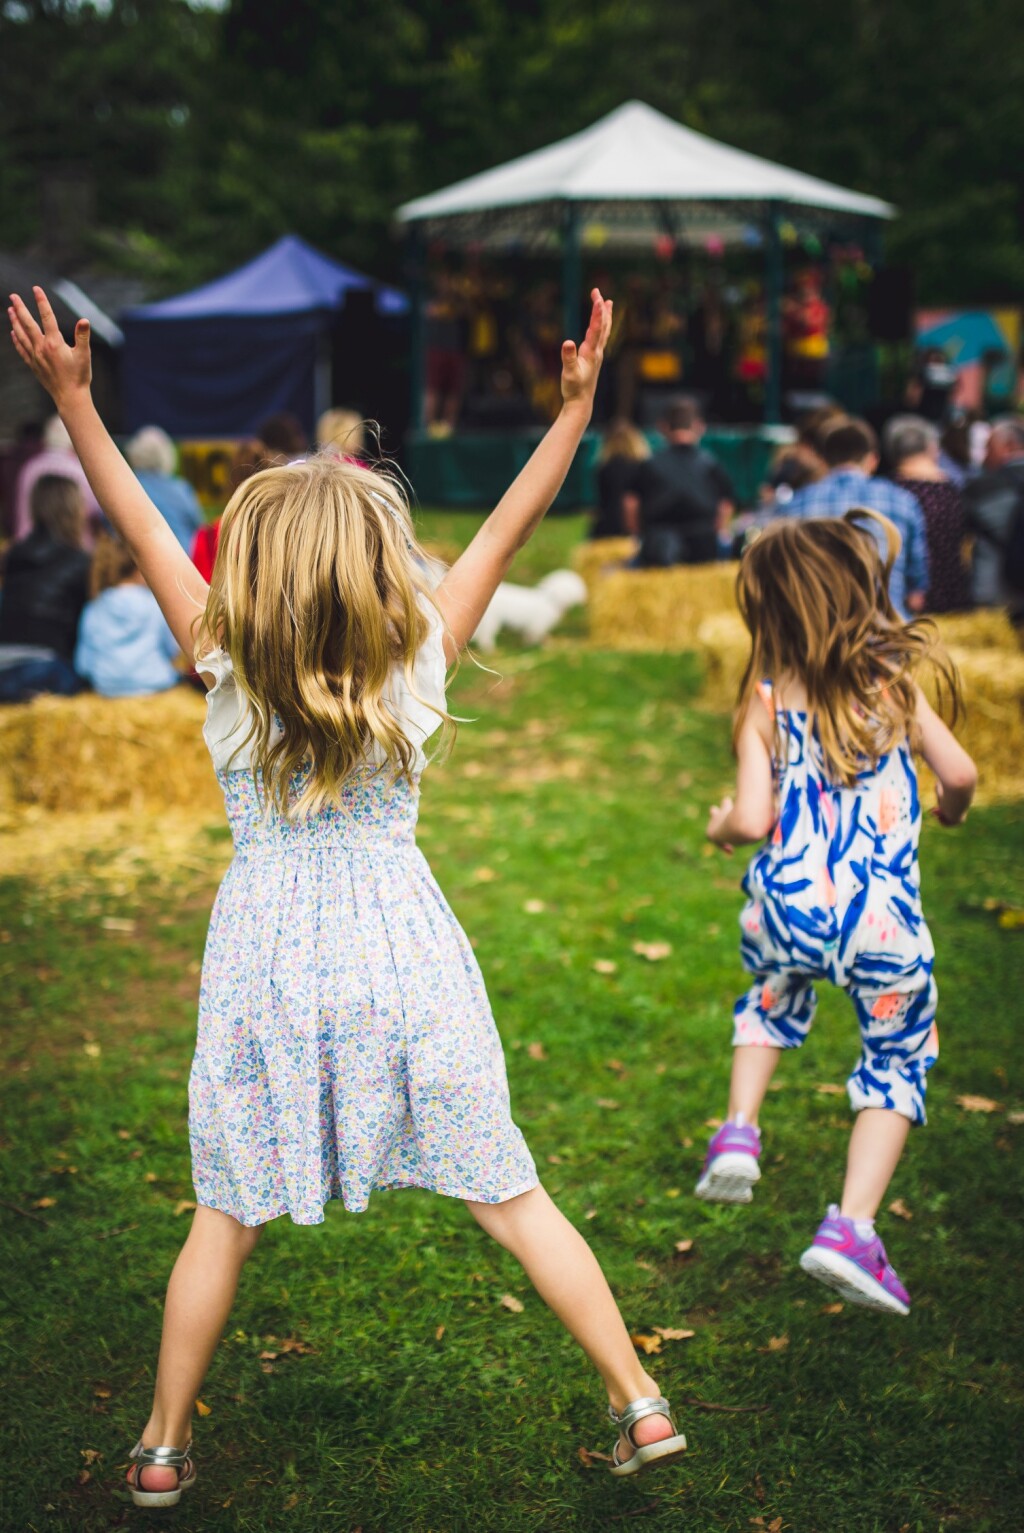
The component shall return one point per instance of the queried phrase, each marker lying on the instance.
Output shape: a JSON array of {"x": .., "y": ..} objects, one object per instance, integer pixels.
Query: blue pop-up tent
[{"x": 219, "y": 360}]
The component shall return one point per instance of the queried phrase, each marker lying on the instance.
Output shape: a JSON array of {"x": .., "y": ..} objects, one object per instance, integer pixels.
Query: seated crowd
[
  {"x": 74, "y": 611},
  {"x": 960, "y": 518}
]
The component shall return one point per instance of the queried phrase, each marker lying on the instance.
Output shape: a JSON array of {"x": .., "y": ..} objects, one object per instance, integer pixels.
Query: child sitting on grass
[
  {"x": 829, "y": 715},
  {"x": 125, "y": 647}
]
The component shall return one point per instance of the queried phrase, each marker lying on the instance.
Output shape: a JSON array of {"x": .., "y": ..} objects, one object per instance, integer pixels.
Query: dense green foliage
[{"x": 209, "y": 130}]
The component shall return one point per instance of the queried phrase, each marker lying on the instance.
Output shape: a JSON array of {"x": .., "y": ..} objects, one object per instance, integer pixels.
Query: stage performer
[
  {"x": 829, "y": 716},
  {"x": 346, "y": 1043}
]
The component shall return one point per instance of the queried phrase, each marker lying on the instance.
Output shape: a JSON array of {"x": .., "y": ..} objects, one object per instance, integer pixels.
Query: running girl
[{"x": 829, "y": 714}]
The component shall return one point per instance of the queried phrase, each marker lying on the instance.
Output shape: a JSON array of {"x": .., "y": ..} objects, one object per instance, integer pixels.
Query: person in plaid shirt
[{"x": 850, "y": 449}]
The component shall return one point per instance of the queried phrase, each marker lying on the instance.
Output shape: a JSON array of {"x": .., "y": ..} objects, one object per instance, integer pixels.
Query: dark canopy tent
[{"x": 219, "y": 360}]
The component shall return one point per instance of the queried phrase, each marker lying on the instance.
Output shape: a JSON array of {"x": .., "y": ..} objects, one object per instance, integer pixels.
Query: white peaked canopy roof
[{"x": 636, "y": 155}]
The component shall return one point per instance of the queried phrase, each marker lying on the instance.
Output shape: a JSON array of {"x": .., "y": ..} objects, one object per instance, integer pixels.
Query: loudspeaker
[{"x": 891, "y": 304}]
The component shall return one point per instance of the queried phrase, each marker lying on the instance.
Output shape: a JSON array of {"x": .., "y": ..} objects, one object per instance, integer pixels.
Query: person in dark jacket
[
  {"x": 46, "y": 585},
  {"x": 994, "y": 502},
  {"x": 682, "y": 498}
]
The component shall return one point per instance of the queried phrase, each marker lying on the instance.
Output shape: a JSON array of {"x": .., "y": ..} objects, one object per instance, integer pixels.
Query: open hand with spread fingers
[
  {"x": 63, "y": 370},
  {"x": 581, "y": 365}
]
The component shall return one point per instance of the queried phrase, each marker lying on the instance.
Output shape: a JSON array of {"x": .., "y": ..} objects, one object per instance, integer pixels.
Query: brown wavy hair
[
  {"x": 814, "y": 595},
  {"x": 318, "y": 595}
]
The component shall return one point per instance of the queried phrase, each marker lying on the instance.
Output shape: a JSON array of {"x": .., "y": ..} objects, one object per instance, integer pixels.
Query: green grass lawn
[{"x": 567, "y": 827}]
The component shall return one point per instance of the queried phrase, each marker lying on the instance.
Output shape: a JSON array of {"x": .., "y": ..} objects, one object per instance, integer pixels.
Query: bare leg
[
  {"x": 753, "y": 1066},
  {"x": 200, "y": 1294},
  {"x": 566, "y": 1274},
  {"x": 876, "y": 1145}
]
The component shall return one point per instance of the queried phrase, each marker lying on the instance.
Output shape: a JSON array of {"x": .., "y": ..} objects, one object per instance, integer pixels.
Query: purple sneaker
[
  {"x": 730, "y": 1167},
  {"x": 856, "y": 1268}
]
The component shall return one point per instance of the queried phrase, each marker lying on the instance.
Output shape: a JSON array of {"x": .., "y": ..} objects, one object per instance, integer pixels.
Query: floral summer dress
[{"x": 346, "y": 1042}]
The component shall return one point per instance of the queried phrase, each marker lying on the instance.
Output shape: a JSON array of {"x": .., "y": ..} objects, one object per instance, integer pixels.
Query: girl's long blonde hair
[
  {"x": 814, "y": 595},
  {"x": 318, "y": 597}
]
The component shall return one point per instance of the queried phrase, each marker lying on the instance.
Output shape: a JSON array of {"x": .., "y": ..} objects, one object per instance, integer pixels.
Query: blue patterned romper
[
  {"x": 835, "y": 894},
  {"x": 345, "y": 1040}
]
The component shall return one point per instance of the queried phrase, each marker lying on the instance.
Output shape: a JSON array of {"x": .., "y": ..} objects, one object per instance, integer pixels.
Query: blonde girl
[
  {"x": 345, "y": 1039},
  {"x": 829, "y": 716}
]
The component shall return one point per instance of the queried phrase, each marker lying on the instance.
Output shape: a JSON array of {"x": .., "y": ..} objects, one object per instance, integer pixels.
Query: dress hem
[{"x": 251, "y": 1221}]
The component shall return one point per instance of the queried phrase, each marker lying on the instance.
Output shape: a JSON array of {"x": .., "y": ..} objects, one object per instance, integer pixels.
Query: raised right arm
[{"x": 66, "y": 373}]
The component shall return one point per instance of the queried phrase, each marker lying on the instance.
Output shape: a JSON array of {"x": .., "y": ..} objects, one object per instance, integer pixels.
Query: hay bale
[
  {"x": 599, "y": 556},
  {"x": 659, "y": 610},
  {"x": 88, "y": 753},
  {"x": 724, "y": 646},
  {"x": 993, "y": 730},
  {"x": 986, "y": 628}
]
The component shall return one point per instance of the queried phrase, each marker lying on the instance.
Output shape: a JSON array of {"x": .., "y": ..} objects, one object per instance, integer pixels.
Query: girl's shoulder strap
[{"x": 766, "y": 693}]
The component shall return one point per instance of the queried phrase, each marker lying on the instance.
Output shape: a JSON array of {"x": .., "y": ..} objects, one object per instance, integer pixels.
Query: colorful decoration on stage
[{"x": 982, "y": 344}]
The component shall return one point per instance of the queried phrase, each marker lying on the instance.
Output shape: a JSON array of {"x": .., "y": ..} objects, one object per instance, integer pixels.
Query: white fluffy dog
[{"x": 530, "y": 612}]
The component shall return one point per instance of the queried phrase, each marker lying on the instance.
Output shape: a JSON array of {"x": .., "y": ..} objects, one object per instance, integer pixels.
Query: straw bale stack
[
  {"x": 993, "y": 730},
  {"x": 724, "y": 646},
  {"x": 599, "y": 556},
  {"x": 659, "y": 610},
  {"x": 88, "y": 753},
  {"x": 987, "y": 628}
]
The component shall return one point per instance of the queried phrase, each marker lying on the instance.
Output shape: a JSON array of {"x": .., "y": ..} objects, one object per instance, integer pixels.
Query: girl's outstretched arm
[
  {"x": 956, "y": 776},
  {"x": 471, "y": 582},
  {"x": 752, "y": 816},
  {"x": 66, "y": 374}
]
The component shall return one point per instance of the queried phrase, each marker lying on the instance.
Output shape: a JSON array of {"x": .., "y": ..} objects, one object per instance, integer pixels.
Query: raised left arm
[{"x": 464, "y": 593}]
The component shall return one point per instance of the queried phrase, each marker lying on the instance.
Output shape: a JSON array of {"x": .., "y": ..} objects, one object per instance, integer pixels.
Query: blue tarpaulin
[{"x": 219, "y": 360}]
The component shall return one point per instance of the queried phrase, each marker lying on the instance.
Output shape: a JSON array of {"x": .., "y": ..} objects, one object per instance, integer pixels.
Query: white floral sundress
[{"x": 346, "y": 1042}]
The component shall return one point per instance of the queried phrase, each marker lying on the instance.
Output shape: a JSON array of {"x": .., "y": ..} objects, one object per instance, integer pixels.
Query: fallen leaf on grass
[
  {"x": 652, "y": 951},
  {"x": 83, "y": 1477},
  {"x": 484, "y": 875},
  {"x": 616, "y": 1067},
  {"x": 608, "y": 1102},
  {"x": 831, "y": 1309},
  {"x": 93, "y": 1050},
  {"x": 775, "y": 1344},
  {"x": 1015, "y": 1117},
  {"x": 671, "y": 1333},
  {"x": 45, "y": 1203},
  {"x": 292, "y": 1502},
  {"x": 202, "y": 1409},
  {"x": 647, "y": 1344},
  {"x": 536, "y": 1051},
  {"x": 183, "y": 1207},
  {"x": 91, "y": 1455},
  {"x": 827, "y": 1089},
  {"x": 683, "y": 1246},
  {"x": 150, "y": 1176},
  {"x": 117, "y": 924},
  {"x": 101, "y": 1392},
  {"x": 712, "y": 1122},
  {"x": 900, "y": 1209},
  {"x": 439, "y": 1333},
  {"x": 605, "y": 966},
  {"x": 123, "y": 1133},
  {"x": 645, "y": 1266},
  {"x": 590, "y": 1458},
  {"x": 534, "y": 907},
  {"x": 977, "y": 1104},
  {"x": 509, "y": 1301},
  {"x": 1011, "y": 920}
]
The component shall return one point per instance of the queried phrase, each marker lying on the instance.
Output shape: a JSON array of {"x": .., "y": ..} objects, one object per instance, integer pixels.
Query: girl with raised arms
[{"x": 345, "y": 1041}]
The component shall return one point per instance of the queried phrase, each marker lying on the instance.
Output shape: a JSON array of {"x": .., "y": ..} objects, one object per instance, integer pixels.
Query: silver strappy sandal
[
  {"x": 664, "y": 1452},
  {"x": 160, "y": 1458}
]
